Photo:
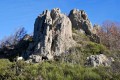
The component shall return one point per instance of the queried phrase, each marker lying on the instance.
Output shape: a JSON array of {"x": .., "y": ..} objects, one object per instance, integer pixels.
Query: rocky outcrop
[
  {"x": 96, "y": 28},
  {"x": 99, "y": 60},
  {"x": 52, "y": 33},
  {"x": 34, "y": 59},
  {"x": 80, "y": 20},
  {"x": 94, "y": 36}
]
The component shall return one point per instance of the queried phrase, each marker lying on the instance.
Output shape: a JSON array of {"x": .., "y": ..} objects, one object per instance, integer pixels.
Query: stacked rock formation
[
  {"x": 80, "y": 21},
  {"x": 52, "y": 33}
]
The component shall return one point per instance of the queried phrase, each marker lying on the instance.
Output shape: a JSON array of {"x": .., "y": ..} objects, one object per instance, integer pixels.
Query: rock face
[
  {"x": 52, "y": 33},
  {"x": 96, "y": 28},
  {"x": 97, "y": 60},
  {"x": 80, "y": 20}
]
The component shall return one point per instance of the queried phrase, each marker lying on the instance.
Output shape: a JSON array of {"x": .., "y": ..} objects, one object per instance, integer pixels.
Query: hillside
[{"x": 62, "y": 47}]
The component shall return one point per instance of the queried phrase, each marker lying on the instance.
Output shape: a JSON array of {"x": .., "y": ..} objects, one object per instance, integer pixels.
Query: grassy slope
[{"x": 67, "y": 67}]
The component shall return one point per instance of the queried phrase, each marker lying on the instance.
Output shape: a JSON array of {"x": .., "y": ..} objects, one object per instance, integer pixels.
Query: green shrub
[
  {"x": 91, "y": 76},
  {"x": 79, "y": 37},
  {"x": 53, "y": 71},
  {"x": 94, "y": 48}
]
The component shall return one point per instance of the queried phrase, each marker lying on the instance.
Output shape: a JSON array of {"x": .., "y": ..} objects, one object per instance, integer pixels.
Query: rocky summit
[
  {"x": 54, "y": 35},
  {"x": 62, "y": 47},
  {"x": 80, "y": 21},
  {"x": 53, "y": 32}
]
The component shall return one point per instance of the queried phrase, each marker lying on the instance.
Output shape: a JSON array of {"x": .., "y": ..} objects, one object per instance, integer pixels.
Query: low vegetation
[
  {"x": 70, "y": 65},
  {"x": 52, "y": 70}
]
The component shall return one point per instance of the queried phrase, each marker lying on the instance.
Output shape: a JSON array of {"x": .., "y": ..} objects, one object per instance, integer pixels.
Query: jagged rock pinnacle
[{"x": 52, "y": 33}]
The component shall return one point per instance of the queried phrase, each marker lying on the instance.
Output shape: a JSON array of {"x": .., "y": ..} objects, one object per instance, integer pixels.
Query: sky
[{"x": 22, "y": 13}]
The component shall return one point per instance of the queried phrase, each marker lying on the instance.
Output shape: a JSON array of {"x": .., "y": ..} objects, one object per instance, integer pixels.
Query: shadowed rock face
[
  {"x": 80, "y": 20},
  {"x": 52, "y": 33}
]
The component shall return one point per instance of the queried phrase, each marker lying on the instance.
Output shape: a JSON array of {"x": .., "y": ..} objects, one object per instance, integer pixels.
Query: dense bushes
[
  {"x": 15, "y": 45},
  {"x": 53, "y": 71},
  {"x": 94, "y": 48}
]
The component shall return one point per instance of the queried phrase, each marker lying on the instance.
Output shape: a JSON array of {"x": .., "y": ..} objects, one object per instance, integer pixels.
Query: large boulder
[
  {"x": 99, "y": 60},
  {"x": 52, "y": 33},
  {"x": 80, "y": 20}
]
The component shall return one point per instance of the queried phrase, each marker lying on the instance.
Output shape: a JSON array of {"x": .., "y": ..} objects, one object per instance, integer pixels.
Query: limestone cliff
[
  {"x": 80, "y": 21},
  {"x": 52, "y": 33}
]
